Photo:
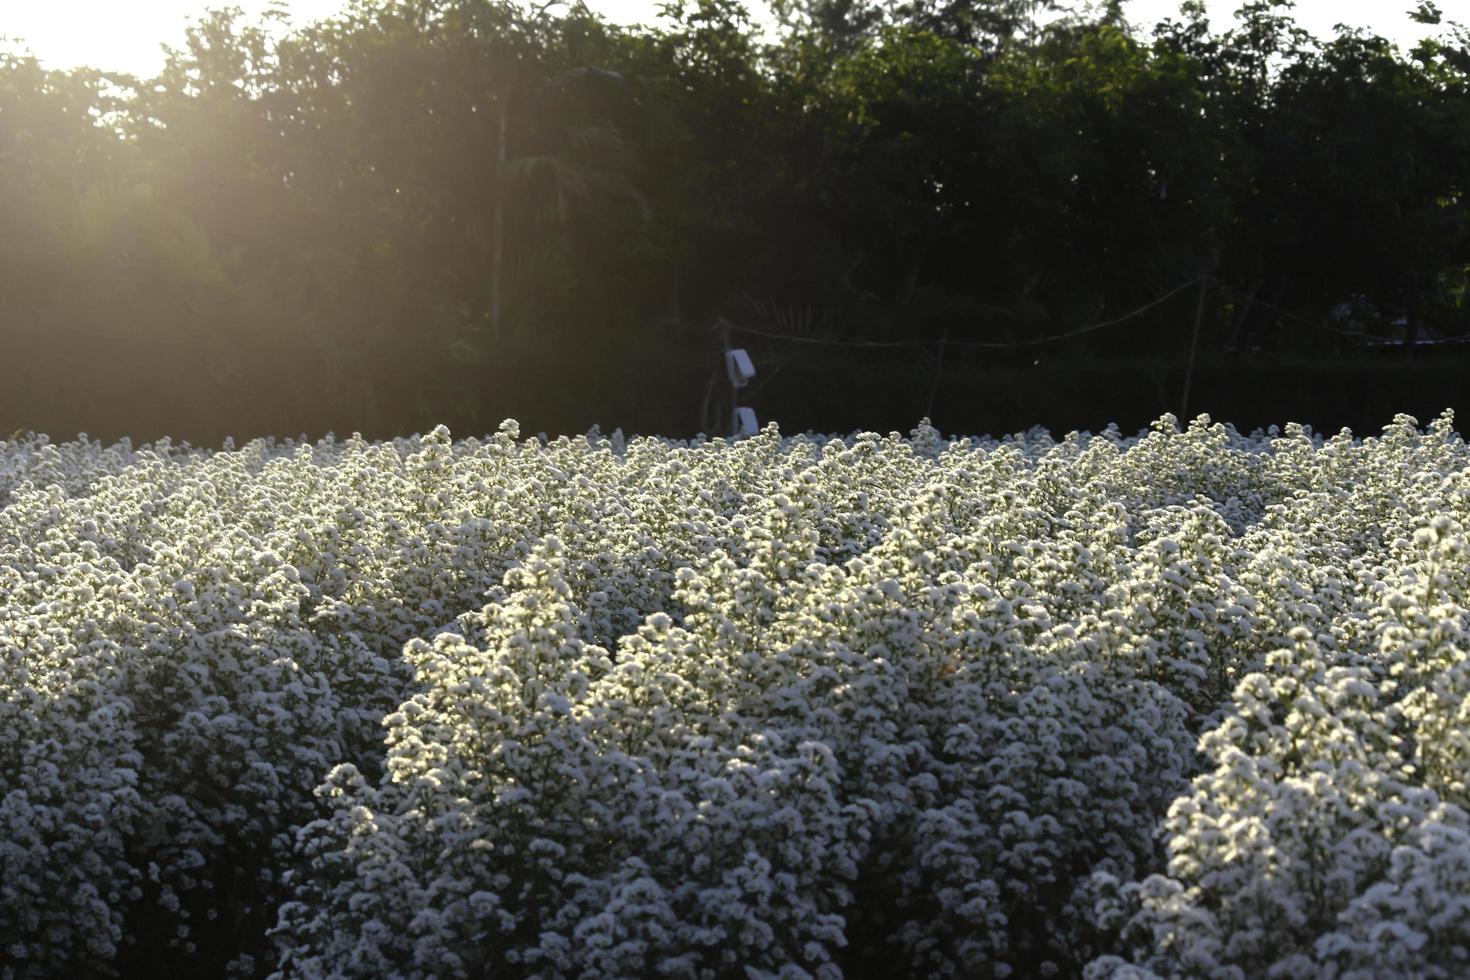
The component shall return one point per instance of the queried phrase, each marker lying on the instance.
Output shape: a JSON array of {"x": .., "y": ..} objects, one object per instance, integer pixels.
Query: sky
[{"x": 127, "y": 36}]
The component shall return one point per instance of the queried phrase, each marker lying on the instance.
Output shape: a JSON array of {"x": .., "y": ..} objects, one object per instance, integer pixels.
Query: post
[
  {"x": 497, "y": 229},
  {"x": 938, "y": 373},
  {"x": 1199, "y": 316},
  {"x": 734, "y": 392}
]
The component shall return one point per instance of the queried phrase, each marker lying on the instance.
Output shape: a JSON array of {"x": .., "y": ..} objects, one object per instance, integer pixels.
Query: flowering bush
[{"x": 1191, "y": 703}]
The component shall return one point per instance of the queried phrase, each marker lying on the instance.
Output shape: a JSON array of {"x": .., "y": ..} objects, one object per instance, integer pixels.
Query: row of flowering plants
[{"x": 1190, "y": 703}]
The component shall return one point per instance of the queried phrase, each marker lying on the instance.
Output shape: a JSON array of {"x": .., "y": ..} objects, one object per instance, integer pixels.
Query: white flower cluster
[{"x": 1191, "y": 703}]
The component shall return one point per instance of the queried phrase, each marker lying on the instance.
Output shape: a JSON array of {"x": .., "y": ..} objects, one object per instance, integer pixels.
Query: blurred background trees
[{"x": 462, "y": 210}]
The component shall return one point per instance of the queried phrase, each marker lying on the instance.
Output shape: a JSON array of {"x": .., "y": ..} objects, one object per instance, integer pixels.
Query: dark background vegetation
[{"x": 463, "y": 210}]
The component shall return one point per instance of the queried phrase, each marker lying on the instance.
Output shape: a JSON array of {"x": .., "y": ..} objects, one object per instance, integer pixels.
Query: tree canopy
[{"x": 462, "y": 210}]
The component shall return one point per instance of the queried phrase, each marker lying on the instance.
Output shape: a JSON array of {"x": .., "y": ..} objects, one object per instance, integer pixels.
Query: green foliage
[{"x": 417, "y": 210}]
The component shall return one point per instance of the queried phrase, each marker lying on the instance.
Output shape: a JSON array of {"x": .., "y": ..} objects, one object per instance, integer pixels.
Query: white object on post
[
  {"x": 745, "y": 423},
  {"x": 739, "y": 367}
]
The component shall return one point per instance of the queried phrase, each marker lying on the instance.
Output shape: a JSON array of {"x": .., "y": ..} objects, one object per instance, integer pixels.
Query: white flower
[{"x": 1192, "y": 703}]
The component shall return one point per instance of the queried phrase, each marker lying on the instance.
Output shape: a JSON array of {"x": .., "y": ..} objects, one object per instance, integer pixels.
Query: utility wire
[
  {"x": 991, "y": 344},
  {"x": 1328, "y": 328},
  {"x": 1080, "y": 330},
  {"x": 1315, "y": 325},
  {"x": 797, "y": 339}
]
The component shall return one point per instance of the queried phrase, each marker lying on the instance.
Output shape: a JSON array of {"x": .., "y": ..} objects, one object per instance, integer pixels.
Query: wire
[
  {"x": 1080, "y": 330},
  {"x": 796, "y": 339},
  {"x": 1354, "y": 335},
  {"x": 994, "y": 345},
  {"x": 1290, "y": 315}
]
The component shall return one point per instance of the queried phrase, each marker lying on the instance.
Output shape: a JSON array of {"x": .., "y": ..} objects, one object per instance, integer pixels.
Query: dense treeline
[{"x": 461, "y": 210}]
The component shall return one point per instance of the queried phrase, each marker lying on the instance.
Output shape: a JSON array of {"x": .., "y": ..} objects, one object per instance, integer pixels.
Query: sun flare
[{"x": 131, "y": 37}]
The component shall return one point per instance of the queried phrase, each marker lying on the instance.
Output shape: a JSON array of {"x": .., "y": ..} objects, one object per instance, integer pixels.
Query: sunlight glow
[
  {"x": 130, "y": 37},
  {"x": 119, "y": 36}
]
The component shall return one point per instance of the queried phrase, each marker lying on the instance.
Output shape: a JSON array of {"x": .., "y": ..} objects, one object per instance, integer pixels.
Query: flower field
[{"x": 1186, "y": 704}]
